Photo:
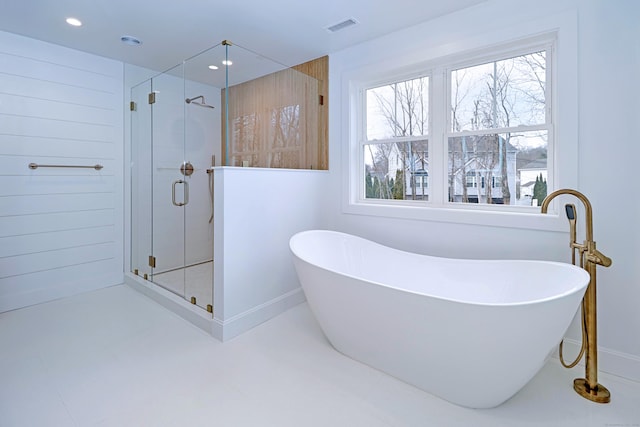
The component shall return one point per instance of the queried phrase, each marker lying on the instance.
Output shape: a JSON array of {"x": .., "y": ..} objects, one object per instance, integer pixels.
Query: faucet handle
[{"x": 599, "y": 258}]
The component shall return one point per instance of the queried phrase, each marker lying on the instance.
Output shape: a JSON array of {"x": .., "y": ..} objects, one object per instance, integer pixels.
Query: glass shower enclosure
[
  {"x": 227, "y": 105},
  {"x": 175, "y": 134}
]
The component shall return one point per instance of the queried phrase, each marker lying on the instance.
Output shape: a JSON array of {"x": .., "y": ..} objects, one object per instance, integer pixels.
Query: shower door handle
[{"x": 186, "y": 193}]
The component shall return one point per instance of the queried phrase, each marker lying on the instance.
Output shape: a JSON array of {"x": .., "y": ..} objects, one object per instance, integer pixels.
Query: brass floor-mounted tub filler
[{"x": 589, "y": 258}]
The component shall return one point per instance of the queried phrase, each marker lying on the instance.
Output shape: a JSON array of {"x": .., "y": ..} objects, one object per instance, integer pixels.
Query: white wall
[
  {"x": 256, "y": 213},
  {"x": 607, "y": 154},
  {"x": 61, "y": 230}
]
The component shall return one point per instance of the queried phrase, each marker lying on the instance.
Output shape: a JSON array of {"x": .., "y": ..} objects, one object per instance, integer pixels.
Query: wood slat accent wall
[
  {"x": 297, "y": 98},
  {"x": 60, "y": 229},
  {"x": 319, "y": 69}
]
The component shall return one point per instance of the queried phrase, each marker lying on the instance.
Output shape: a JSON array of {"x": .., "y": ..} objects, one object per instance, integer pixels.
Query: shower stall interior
[{"x": 213, "y": 109}]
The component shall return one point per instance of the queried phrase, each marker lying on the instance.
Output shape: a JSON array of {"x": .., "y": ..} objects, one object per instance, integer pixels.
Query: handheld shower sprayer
[
  {"x": 571, "y": 213},
  {"x": 570, "y": 210}
]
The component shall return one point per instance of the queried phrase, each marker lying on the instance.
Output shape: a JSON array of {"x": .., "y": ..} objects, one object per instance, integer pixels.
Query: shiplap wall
[{"x": 60, "y": 229}]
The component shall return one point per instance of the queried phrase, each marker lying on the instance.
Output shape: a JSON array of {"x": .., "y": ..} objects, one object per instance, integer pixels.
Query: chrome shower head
[{"x": 202, "y": 103}]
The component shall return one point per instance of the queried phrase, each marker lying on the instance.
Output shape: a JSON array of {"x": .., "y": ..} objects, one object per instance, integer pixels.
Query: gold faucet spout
[{"x": 587, "y": 207}]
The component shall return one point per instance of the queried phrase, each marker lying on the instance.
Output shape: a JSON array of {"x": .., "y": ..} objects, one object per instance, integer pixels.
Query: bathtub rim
[{"x": 575, "y": 289}]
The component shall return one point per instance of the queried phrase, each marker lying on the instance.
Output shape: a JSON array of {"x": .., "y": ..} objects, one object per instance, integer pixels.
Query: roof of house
[{"x": 535, "y": 164}]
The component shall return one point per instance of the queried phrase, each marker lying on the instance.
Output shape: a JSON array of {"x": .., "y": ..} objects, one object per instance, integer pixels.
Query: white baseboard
[
  {"x": 251, "y": 318},
  {"x": 222, "y": 330},
  {"x": 609, "y": 361}
]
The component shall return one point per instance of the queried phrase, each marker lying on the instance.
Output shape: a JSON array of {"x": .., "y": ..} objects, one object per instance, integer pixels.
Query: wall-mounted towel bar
[{"x": 36, "y": 166}]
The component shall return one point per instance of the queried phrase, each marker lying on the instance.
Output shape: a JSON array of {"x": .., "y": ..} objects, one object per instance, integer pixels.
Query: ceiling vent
[{"x": 342, "y": 25}]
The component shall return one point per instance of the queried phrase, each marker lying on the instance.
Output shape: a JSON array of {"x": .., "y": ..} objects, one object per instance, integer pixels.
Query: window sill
[{"x": 469, "y": 215}]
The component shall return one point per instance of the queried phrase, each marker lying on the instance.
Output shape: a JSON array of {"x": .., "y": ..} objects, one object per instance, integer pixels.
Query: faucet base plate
[{"x": 598, "y": 394}]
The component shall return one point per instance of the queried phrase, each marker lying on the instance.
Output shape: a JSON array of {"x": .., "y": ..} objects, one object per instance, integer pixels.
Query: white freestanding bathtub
[{"x": 473, "y": 332}]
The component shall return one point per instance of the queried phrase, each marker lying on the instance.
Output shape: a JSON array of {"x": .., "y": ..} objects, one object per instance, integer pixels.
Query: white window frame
[
  {"x": 541, "y": 43},
  {"x": 560, "y": 32},
  {"x": 362, "y": 132}
]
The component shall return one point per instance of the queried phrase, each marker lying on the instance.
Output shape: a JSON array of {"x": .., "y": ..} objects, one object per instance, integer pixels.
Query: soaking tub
[{"x": 473, "y": 332}]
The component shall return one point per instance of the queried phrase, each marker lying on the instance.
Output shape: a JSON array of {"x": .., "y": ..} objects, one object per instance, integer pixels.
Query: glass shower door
[{"x": 170, "y": 186}]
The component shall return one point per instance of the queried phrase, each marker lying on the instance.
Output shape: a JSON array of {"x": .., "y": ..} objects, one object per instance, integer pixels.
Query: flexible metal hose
[
  {"x": 583, "y": 319},
  {"x": 582, "y": 346}
]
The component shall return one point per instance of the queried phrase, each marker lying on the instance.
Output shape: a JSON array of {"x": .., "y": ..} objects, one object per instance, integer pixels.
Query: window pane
[
  {"x": 505, "y": 168},
  {"x": 397, "y": 170},
  {"x": 398, "y": 109},
  {"x": 499, "y": 94}
]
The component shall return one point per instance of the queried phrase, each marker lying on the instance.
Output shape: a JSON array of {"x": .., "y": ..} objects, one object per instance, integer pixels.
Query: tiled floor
[{"x": 115, "y": 358}]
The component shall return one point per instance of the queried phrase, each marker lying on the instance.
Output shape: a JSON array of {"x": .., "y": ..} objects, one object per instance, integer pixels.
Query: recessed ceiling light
[
  {"x": 130, "y": 40},
  {"x": 213, "y": 67},
  {"x": 226, "y": 62},
  {"x": 74, "y": 21}
]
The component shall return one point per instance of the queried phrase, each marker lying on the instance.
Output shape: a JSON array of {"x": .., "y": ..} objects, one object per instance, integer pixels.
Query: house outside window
[
  {"x": 482, "y": 119},
  {"x": 396, "y": 140}
]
